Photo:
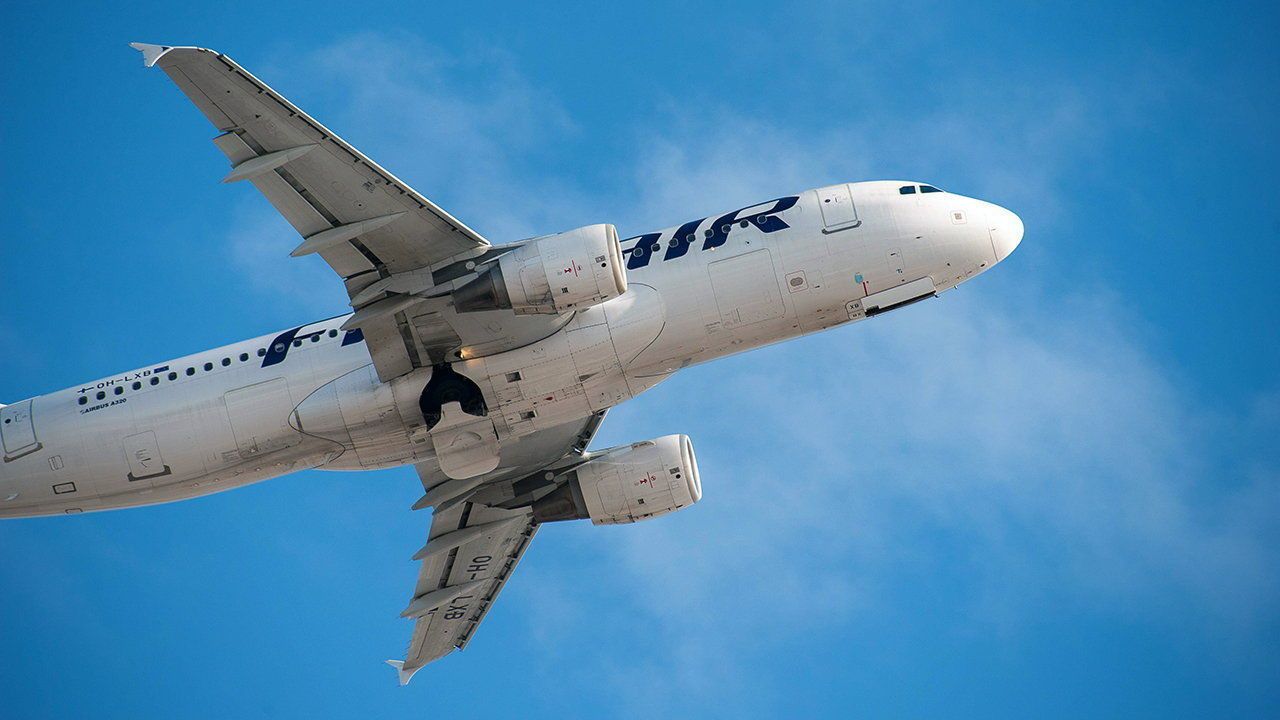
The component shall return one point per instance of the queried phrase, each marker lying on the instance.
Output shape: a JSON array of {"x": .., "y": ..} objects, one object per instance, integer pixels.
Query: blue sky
[{"x": 1052, "y": 493}]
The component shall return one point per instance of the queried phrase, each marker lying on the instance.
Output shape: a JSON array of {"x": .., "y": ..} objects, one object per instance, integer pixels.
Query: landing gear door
[
  {"x": 18, "y": 431},
  {"x": 466, "y": 446},
  {"x": 838, "y": 211}
]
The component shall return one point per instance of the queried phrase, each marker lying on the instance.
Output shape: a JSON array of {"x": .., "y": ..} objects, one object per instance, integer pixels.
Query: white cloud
[
  {"x": 1033, "y": 435},
  {"x": 466, "y": 147},
  {"x": 260, "y": 241},
  {"x": 1024, "y": 457},
  {"x": 477, "y": 137},
  {"x": 1033, "y": 438}
]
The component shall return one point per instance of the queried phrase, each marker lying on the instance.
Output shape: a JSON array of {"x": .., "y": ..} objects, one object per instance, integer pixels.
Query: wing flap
[
  {"x": 475, "y": 550},
  {"x": 392, "y": 355},
  {"x": 367, "y": 224},
  {"x": 472, "y": 542},
  {"x": 338, "y": 181},
  {"x": 345, "y": 260}
]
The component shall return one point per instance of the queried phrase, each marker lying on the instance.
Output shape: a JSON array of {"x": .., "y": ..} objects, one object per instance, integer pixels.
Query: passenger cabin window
[
  {"x": 907, "y": 190},
  {"x": 928, "y": 188}
]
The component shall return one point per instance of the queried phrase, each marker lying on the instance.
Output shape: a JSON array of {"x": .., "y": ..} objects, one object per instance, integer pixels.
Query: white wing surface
[
  {"x": 471, "y": 553},
  {"x": 398, "y": 253},
  {"x": 477, "y": 537}
]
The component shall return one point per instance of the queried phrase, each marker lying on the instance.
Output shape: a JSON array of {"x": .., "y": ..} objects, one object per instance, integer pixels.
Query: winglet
[
  {"x": 405, "y": 675},
  {"x": 151, "y": 54}
]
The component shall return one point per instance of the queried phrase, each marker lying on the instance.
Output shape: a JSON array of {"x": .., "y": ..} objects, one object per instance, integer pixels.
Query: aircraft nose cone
[{"x": 1006, "y": 230}]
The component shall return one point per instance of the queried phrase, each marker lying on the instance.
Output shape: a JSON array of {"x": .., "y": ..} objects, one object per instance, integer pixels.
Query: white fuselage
[{"x": 309, "y": 397}]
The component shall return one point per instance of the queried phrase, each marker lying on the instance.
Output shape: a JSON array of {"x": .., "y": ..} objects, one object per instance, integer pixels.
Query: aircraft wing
[
  {"x": 477, "y": 537},
  {"x": 471, "y": 553},
  {"x": 391, "y": 246}
]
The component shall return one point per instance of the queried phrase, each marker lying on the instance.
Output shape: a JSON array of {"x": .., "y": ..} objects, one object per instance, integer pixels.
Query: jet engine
[
  {"x": 627, "y": 484},
  {"x": 550, "y": 275}
]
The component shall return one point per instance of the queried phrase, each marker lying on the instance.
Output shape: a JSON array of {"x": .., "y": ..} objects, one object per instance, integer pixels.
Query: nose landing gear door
[
  {"x": 838, "y": 211},
  {"x": 17, "y": 431}
]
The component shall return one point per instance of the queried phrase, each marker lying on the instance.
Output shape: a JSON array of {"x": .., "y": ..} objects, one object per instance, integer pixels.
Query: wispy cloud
[
  {"x": 480, "y": 148},
  {"x": 1022, "y": 447},
  {"x": 1020, "y": 458},
  {"x": 259, "y": 241},
  {"x": 468, "y": 147}
]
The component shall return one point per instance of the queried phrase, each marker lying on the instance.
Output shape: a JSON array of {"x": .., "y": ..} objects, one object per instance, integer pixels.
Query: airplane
[{"x": 488, "y": 368}]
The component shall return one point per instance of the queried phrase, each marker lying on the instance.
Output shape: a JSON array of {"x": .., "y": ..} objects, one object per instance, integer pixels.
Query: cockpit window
[
  {"x": 907, "y": 190},
  {"x": 928, "y": 188}
]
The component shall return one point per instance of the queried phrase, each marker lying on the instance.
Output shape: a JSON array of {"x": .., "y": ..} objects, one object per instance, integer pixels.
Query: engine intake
[
  {"x": 550, "y": 275},
  {"x": 627, "y": 484}
]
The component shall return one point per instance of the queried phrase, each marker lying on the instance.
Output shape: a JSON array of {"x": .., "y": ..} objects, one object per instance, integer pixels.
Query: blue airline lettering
[
  {"x": 645, "y": 247},
  {"x": 683, "y": 239},
  {"x": 278, "y": 350},
  {"x": 352, "y": 337},
  {"x": 766, "y": 220}
]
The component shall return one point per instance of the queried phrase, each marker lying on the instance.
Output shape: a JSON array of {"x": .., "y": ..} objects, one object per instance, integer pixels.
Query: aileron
[
  {"x": 246, "y": 104},
  {"x": 367, "y": 224}
]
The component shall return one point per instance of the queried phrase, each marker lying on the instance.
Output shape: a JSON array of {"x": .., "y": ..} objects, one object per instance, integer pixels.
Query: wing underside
[
  {"x": 314, "y": 178},
  {"x": 394, "y": 249},
  {"x": 472, "y": 551},
  {"x": 478, "y": 537}
]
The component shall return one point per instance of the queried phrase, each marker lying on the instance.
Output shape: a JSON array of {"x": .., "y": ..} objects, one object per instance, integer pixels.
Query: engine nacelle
[
  {"x": 551, "y": 275},
  {"x": 627, "y": 484}
]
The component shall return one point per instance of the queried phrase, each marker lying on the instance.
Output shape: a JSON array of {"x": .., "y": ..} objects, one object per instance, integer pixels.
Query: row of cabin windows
[
  {"x": 911, "y": 189},
  {"x": 639, "y": 251},
  {"x": 226, "y": 362}
]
